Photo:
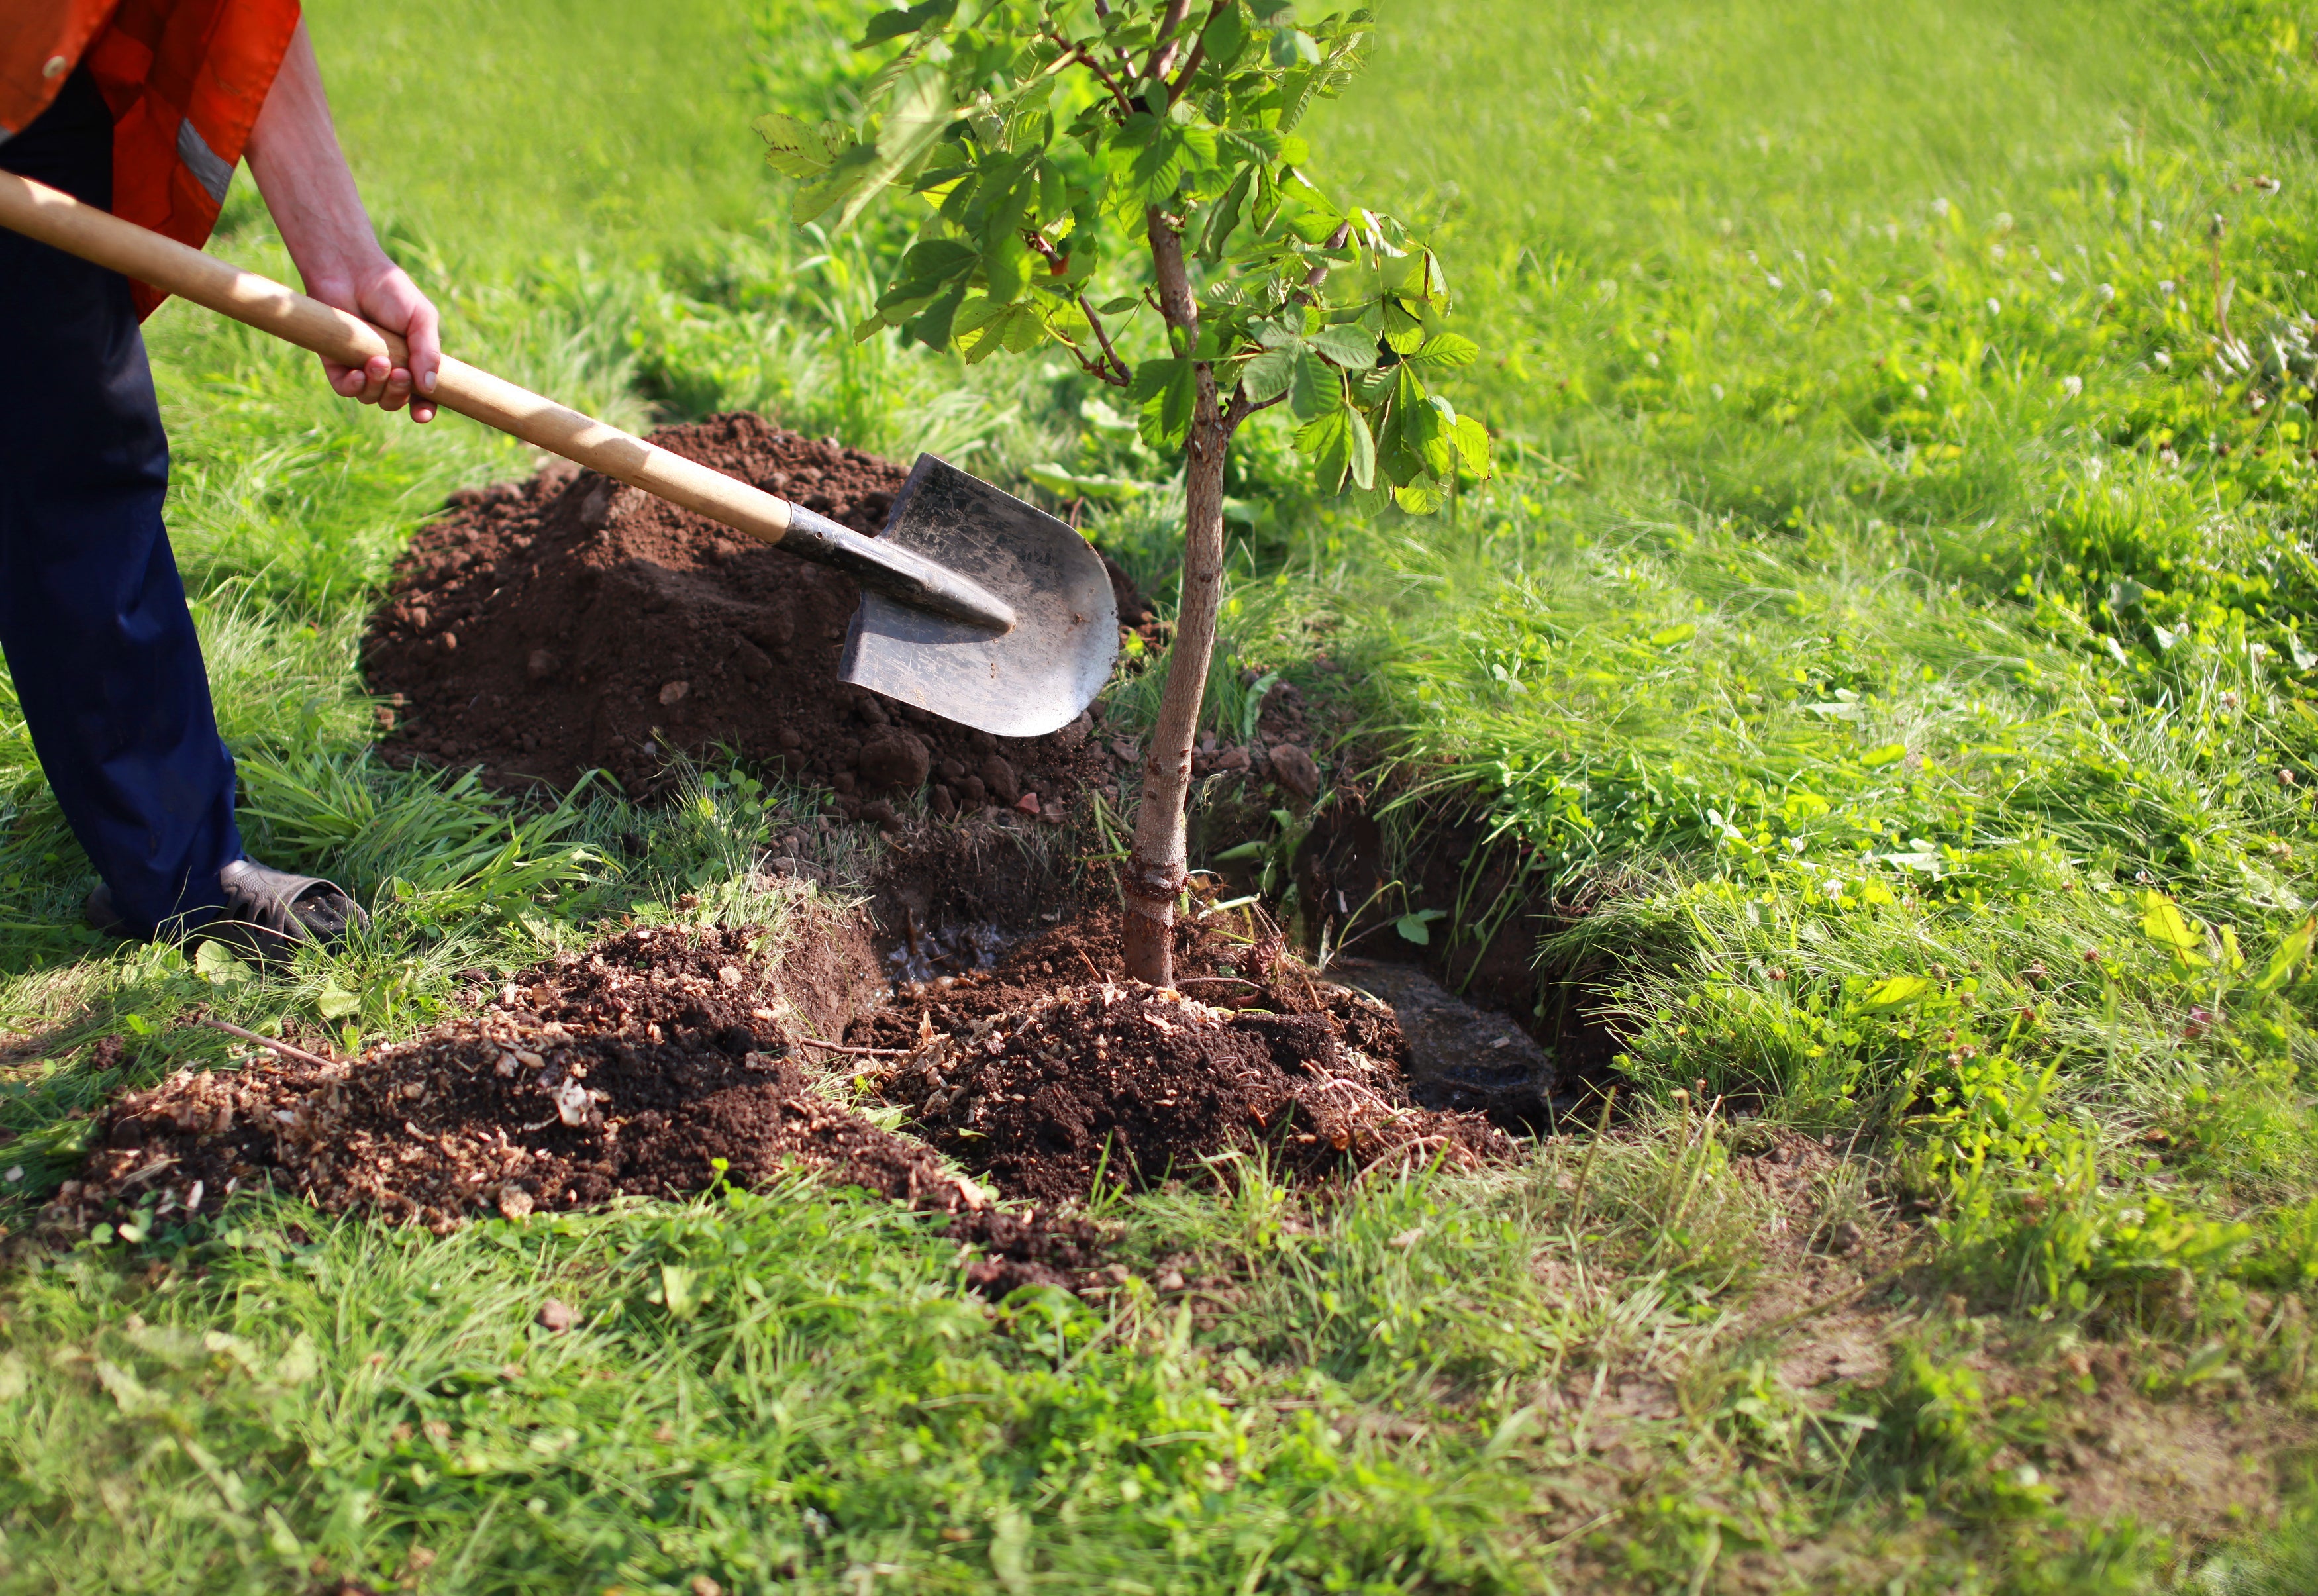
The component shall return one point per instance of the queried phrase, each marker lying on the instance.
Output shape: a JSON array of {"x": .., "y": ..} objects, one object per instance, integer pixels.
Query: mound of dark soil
[
  {"x": 1047, "y": 1077},
  {"x": 545, "y": 628},
  {"x": 632, "y": 1069}
]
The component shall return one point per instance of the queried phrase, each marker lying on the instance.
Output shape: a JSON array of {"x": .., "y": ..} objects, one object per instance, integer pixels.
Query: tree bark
[{"x": 1156, "y": 865}]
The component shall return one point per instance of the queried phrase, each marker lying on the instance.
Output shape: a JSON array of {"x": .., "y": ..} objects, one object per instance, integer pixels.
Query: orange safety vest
[{"x": 185, "y": 80}]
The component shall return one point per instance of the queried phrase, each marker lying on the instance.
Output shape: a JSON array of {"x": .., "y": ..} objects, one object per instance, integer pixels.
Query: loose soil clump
[
  {"x": 1050, "y": 1085},
  {"x": 633, "y": 1069},
  {"x": 545, "y": 628}
]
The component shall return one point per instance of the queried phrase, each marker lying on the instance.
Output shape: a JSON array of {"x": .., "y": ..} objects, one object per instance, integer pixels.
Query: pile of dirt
[
  {"x": 1047, "y": 1085},
  {"x": 632, "y": 1069},
  {"x": 545, "y": 628}
]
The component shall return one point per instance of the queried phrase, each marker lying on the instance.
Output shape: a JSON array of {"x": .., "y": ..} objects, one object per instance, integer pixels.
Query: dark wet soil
[
  {"x": 545, "y": 628},
  {"x": 1050, "y": 1077}
]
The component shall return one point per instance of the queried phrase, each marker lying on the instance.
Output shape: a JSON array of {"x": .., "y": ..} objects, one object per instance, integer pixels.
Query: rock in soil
[
  {"x": 1048, "y": 1079},
  {"x": 1460, "y": 1056},
  {"x": 598, "y": 626}
]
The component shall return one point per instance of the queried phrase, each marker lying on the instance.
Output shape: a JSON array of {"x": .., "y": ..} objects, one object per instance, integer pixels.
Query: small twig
[
  {"x": 1104, "y": 338},
  {"x": 1418, "y": 1145},
  {"x": 283, "y": 1048},
  {"x": 1126, "y": 107},
  {"x": 869, "y": 1052},
  {"x": 1088, "y": 963},
  {"x": 1197, "y": 979}
]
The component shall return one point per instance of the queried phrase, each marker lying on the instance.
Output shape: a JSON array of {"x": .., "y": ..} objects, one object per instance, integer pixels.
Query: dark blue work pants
[{"x": 92, "y": 618}]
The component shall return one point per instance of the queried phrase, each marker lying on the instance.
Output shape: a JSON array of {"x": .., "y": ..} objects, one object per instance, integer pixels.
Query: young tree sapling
[{"x": 1064, "y": 145}]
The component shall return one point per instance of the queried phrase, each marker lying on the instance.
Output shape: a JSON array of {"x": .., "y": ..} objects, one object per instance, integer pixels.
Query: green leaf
[
  {"x": 2287, "y": 957},
  {"x": 918, "y": 111},
  {"x": 1446, "y": 350},
  {"x": 1171, "y": 394},
  {"x": 1415, "y": 927},
  {"x": 893, "y": 24},
  {"x": 1666, "y": 637},
  {"x": 1223, "y": 217},
  {"x": 1426, "y": 429},
  {"x": 1245, "y": 850},
  {"x": 1007, "y": 266},
  {"x": 679, "y": 1291},
  {"x": 2161, "y": 923},
  {"x": 983, "y": 326},
  {"x": 1292, "y": 45},
  {"x": 1890, "y": 753},
  {"x": 933, "y": 325},
  {"x": 1347, "y": 344},
  {"x": 336, "y": 1003},
  {"x": 1120, "y": 306},
  {"x": 926, "y": 269},
  {"x": 1472, "y": 441},
  {"x": 1005, "y": 257},
  {"x": 1269, "y": 374},
  {"x": 216, "y": 966},
  {"x": 1066, "y": 483},
  {"x": 1419, "y": 498},
  {"x": 796, "y": 148},
  {"x": 1226, "y": 37},
  {"x": 1894, "y": 992},
  {"x": 1341, "y": 447}
]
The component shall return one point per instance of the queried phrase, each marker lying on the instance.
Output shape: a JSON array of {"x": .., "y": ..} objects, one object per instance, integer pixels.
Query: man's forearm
[{"x": 294, "y": 155}]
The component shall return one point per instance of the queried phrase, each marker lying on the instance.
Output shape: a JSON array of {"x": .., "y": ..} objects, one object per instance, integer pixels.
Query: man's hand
[
  {"x": 294, "y": 154},
  {"x": 386, "y": 299}
]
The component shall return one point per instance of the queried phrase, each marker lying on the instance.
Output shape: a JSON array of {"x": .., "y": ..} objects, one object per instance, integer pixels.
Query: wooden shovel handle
[{"x": 56, "y": 217}]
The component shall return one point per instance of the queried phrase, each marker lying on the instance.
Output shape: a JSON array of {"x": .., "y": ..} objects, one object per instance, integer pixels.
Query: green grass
[{"x": 1867, "y": 627}]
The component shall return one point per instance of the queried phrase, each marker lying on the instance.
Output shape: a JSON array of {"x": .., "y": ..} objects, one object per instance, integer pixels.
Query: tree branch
[
  {"x": 1116, "y": 372},
  {"x": 1198, "y": 54},
  {"x": 1078, "y": 53},
  {"x": 1163, "y": 57},
  {"x": 1124, "y": 377}
]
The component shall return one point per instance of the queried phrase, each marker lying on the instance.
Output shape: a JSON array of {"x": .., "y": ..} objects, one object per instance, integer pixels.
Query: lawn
[{"x": 1873, "y": 690}]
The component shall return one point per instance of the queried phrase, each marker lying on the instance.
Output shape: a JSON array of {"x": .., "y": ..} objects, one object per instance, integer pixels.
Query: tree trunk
[
  {"x": 1155, "y": 876},
  {"x": 1155, "y": 872}
]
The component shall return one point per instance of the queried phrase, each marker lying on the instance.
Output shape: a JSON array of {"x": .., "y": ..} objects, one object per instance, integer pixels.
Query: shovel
[{"x": 974, "y": 606}]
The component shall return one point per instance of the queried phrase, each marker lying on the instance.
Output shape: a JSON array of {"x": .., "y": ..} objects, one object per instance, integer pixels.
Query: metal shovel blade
[{"x": 1027, "y": 681}]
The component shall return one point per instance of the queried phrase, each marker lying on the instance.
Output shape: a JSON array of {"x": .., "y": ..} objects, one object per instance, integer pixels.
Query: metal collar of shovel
[{"x": 976, "y": 606}]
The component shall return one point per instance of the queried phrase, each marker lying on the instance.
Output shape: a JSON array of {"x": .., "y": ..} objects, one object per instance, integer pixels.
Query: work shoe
[{"x": 267, "y": 913}]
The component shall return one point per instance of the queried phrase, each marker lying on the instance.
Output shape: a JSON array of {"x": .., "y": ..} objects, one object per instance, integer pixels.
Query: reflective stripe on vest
[{"x": 184, "y": 79}]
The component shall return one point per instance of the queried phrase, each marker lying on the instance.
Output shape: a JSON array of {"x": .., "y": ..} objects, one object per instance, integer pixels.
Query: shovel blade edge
[{"x": 1026, "y": 682}]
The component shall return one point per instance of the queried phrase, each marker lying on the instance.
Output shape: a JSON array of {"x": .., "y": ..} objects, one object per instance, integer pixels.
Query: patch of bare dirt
[{"x": 1049, "y": 1077}]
